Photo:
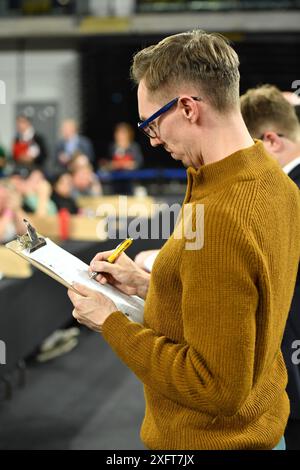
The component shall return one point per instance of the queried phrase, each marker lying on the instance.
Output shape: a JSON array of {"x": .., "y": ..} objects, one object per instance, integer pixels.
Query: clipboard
[
  {"x": 33, "y": 241},
  {"x": 17, "y": 248},
  {"x": 66, "y": 268}
]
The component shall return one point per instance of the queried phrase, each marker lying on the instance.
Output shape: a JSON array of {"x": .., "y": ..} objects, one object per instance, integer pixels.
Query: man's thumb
[
  {"x": 83, "y": 290},
  {"x": 103, "y": 267}
]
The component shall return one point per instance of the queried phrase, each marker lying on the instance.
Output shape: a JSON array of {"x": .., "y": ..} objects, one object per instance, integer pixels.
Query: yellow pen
[{"x": 115, "y": 255}]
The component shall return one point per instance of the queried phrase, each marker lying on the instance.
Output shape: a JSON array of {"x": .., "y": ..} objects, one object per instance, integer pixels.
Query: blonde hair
[
  {"x": 205, "y": 60},
  {"x": 265, "y": 109}
]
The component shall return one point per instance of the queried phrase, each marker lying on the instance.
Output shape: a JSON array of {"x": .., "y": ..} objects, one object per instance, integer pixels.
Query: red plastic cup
[{"x": 64, "y": 223}]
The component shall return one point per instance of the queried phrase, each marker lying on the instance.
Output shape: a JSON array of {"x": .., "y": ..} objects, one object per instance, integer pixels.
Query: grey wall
[{"x": 37, "y": 76}]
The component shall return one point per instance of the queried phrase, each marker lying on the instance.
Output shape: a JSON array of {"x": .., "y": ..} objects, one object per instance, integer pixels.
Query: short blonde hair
[
  {"x": 265, "y": 109},
  {"x": 205, "y": 60}
]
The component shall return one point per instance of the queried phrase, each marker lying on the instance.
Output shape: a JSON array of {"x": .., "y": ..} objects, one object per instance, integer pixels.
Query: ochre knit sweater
[{"x": 209, "y": 351}]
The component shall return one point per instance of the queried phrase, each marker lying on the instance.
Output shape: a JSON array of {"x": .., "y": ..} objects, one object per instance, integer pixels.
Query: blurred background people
[
  {"x": 270, "y": 117},
  {"x": 11, "y": 214},
  {"x": 85, "y": 181},
  {"x": 62, "y": 193},
  {"x": 29, "y": 148},
  {"x": 35, "y": 191},
  {"x": 79, "y": 160},
  {"x": 124, "y": 155},
  {"x": 70, "y": 144},
  {"x": 124, "y": 152}
]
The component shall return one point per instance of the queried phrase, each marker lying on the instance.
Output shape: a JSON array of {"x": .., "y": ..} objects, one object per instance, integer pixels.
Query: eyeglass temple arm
[{"x": 143, "y": 124}]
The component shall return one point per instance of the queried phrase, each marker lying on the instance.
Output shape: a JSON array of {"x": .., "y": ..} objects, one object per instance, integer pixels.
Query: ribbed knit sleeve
[
  {"x": 220, "y": 357},
  {"x": 212, "y": 368}
]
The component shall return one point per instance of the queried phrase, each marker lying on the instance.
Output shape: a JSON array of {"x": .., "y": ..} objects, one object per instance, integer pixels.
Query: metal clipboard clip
[{"x": 30, "y": 240}]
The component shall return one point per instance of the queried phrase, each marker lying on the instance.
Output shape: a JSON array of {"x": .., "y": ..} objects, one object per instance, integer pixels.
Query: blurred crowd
[
  {"x": 34, "y": 181},
  {"x": 29, "y": 149}
]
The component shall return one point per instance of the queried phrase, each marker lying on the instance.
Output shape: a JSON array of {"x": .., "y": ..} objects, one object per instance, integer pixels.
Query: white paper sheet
[{"x": 72, "y": 269}]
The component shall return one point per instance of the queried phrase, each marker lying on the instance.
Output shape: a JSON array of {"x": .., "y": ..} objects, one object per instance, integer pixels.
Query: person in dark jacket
[
  {"x": 269, "y": 116},
  {"x": 62, "y": 193},
  {"x": 71, "y": 143}
]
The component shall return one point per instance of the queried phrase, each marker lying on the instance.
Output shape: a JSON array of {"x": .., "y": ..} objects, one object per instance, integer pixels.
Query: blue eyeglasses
[{"x": 147, "y": 128}]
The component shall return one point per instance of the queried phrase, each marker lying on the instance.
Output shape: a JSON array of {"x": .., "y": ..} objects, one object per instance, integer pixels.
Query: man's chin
[
  {"x": 178, "y": 158},
  {"x": 184, "y": 162}
]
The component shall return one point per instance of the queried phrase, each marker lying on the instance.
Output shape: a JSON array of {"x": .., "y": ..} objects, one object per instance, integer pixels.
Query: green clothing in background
[{"x": 31, "y": 204}]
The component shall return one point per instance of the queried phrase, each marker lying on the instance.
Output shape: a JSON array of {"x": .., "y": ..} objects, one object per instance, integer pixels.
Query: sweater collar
[{"x": 246, "y": 163}]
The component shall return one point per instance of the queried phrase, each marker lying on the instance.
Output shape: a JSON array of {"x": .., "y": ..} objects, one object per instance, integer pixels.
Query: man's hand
[
  {"x": 91, "y": 308},
  {"x": 124, "y": 274}
]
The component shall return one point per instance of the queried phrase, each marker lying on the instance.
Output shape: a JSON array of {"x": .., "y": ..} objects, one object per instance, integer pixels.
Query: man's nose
[{"x": 155, "y": 141}]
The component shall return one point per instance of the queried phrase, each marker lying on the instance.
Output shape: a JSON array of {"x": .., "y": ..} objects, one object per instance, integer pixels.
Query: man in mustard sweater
[{"x": 208, "y": 352}]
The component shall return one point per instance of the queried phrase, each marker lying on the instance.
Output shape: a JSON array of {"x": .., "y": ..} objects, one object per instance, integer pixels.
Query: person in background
[
  {"x": 85, "y": 181},
  {"x": 79, "y": 160},
  {"x": 11, "y": 214},
  {"x": 29, "y": 148},
  {"x": 62, "y": 193},
  {"x": 124, "y": 155},
  {"x": 124, "y": 152},
  {"x": 70, "y": 144},
  {"x": 270, "y": 117},
  {"x": 35, "y": 191}
]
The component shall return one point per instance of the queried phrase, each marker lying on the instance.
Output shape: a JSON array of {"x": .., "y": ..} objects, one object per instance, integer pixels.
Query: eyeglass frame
[{"x": 142, "y": 124}]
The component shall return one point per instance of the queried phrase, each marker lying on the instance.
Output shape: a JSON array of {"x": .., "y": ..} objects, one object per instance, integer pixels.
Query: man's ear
[
  {"x": 189, "y": 108},
  {"x": 272, "y": 142}
]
